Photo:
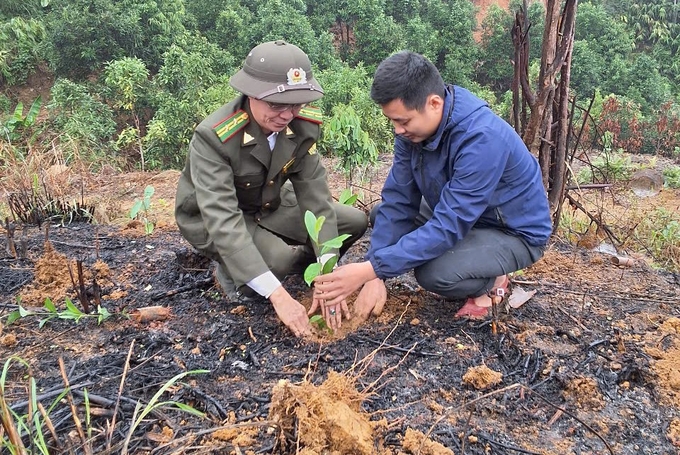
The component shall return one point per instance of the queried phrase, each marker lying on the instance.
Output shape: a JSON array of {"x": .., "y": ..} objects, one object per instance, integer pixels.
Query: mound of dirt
[{"x": 327, "y": 418}]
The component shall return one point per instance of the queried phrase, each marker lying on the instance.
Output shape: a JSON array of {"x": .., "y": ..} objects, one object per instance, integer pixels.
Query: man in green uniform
[{"x": 252, "y": 172}]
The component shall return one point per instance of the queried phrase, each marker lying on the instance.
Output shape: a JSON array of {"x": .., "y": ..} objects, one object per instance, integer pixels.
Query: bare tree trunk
[
  {"x": 559, "y": 170},
  {"x": 546, "y": 132}
]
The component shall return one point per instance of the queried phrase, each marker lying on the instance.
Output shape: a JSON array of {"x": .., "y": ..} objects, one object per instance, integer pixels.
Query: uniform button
[
  {"x": 247, "y": 184},
  {"x": 257, "y": 219},
  {"x": 270, "y": 183},
  {"x": 267, "y": 205}
]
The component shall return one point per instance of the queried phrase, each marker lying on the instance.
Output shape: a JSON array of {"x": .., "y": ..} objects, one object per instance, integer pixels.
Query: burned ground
[{"x": 589, "y": 365}]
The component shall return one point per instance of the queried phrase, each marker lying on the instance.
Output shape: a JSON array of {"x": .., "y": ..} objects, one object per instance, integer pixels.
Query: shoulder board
[
  {"x": 231, "y": 125},
  {"x": 311, "y": 114}
]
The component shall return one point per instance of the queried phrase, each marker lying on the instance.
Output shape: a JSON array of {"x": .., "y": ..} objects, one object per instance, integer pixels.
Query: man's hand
[
  {"x": 338, "y": 285},
  {"x": 332, "y": 314},
  {"x": 371, "y": 299},
  {"x": 290, "y": 312}
]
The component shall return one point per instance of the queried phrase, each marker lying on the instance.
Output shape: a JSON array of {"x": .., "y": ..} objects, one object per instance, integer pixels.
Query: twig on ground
[
  {"x": 366, "y": 361},
  {"x": 505, "y": 446},
  {"x": 74, "y": 412},
  {"x": 111, "y": 426},
  {"x": 583, "y": 327},
  {"x": 465, "y": 430},
  {"x": 189, "y": 287},
  {"x": 48, "y": 423}
]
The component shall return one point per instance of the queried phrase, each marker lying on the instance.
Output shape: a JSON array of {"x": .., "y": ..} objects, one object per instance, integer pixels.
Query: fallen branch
[
  {"x": 69, "y": 398},
  {"x": 600, "y": 224}
]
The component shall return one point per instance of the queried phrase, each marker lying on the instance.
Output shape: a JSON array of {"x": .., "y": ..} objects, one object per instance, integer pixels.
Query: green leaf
[
  {"x": 71, "y": 307},
  {"x": 13, "y": 317},
  {"x": 347, "y": 198},
  {"x": 45, "y": 321},
  {"x": 316, "y": 319},
  {"x": 311, "y": 272},
  {"x": 319, "y": 224},
  {"x": 148, "y": 192},
  {"x": 189, "y": 409},
  {"x": 49, "y": 305},
  {"x": 103, "y": 313},
  {"x": 19, "y": 111},
  {"x": 319, "y": 321},
  {"x": 329, "y": 264},
  {"x": 310, "y": 224},
  {"x": 336, "y": 242},
  {"x": 136, "y": 208},
  {"x": 24, "y": 312},
  {"x": 33, "y": 112}
]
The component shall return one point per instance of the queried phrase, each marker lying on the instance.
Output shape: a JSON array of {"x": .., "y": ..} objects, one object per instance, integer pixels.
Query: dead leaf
[{"x": 519, "y": 297}]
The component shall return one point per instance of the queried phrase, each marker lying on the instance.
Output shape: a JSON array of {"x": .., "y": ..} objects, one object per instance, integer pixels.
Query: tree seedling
[
  {"x": 347, "y": 197},
  {"x": 144, "y": 205},
  {"x": 318, "y": 321},
  {"x": 324, "y": 261}
]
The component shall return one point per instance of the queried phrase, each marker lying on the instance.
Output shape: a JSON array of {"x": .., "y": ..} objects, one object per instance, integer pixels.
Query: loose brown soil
[{"x": 589, "y": 365}]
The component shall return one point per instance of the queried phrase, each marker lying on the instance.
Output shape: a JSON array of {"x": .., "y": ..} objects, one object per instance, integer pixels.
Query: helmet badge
[{"x": 296, "y": 76}]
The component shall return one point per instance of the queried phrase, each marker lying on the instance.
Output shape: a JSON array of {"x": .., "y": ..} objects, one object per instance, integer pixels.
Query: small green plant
[
  {"x": 318, "y": 321},
  {"x": 610, "y": 166},
  {"x": 671, "y": 177},
  {"x": 13, "y": 127},
  {"x": 324, "y": 263},
  {"x": 50, "y": 312},
  {"x": 144, "y": 206},
  {"x": 347, "y": 197}
]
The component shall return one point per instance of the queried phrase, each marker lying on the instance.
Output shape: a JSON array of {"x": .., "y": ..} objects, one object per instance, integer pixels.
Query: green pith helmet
[{"x": 278, "y": 72}]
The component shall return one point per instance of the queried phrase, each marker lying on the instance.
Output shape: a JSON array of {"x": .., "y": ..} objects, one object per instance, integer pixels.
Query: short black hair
[{"x": 406, "y": 76}]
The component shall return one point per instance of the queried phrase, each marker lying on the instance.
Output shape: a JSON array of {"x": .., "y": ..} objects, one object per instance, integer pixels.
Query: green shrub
[
  {"x": 671, "y": 177},
  {"x": 610, "y": 166},
  {"x": 19, "y": 43},
  {"x": 83, "y": 121},
  {"x": 193, "y": 81}
]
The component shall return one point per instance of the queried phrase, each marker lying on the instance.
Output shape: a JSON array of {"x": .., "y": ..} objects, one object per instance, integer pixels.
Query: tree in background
[
  {"x": 455, "y": 53},
  {"x": 128, "y": 81},
  {"x": 84, "y": 34}
]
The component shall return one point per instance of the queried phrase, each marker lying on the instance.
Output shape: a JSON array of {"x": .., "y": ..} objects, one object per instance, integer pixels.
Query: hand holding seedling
[
  {"x": 332, "y": 314},
  {"x": 290, "y": 312},
  {"x": 343, "y": 281}
]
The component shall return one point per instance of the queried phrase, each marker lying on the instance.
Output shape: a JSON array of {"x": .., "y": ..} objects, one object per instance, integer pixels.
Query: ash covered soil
[{"x": 589, "y": 365}]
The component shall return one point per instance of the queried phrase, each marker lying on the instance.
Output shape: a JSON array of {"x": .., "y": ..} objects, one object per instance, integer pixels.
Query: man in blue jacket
[{"x": 463, "y": 204}]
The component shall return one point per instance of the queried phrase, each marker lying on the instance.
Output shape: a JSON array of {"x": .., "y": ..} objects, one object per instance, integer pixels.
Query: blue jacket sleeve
[
  {"x": 477, "y": 168},
  {"x": 396, "y": 215}
]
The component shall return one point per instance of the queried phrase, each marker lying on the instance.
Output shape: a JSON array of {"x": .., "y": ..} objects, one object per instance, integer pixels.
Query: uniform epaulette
[
  {"x": 231, "y": 125},
  {"x": 311, "y": 114}
]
